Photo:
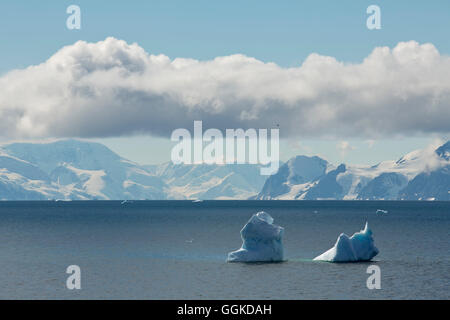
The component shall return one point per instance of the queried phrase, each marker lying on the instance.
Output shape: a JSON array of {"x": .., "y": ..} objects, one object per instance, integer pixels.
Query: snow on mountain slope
[
  {"x": 385, "y": 180},
  {"x": 293, "y": 177},
  {"x": 327, "y": 186},
  {"x": 71, "y": 169},
  {"x": 16, "y": 186},
  {"x": 434, "y": 185},
  {"x": 92, "y": 181},
  {"x": 388, "y": 180},
  {"x": 204, "y": 181},
  {"x": 386, "y": 186},
  {"x": 21, "y": 167},
  {"x": 444, "y": 151},
  {"x": 79, "y": 170},
  {"x": 80, "y": 154}
]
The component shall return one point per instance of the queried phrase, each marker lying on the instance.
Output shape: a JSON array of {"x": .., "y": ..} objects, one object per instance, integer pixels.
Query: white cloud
[
  {"x": 427, "y": 158},
  {"x": 344, "y": 147},
  {"x": 111, "y": 88}
]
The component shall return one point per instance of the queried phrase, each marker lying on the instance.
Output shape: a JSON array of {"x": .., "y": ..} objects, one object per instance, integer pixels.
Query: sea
[{"x": 178, "y": 250}]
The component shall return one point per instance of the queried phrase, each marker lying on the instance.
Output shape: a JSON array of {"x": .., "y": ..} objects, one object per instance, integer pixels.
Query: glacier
[
  {"x": 359, "y": 247},
  {"x": 262, "y": 241}
]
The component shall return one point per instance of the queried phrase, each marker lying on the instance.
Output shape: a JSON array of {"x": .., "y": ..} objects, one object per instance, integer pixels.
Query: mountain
[
  {"x": 74, "y": 170},
  {"x": 80, "y": 170},
  {"x": 431, "y": 184},
  {"x": 444, "y": 151},
  {"x": 292, "y": 177},
  {"x": 210, "y": 181},
  {"x": 385, "y": 186},
  {"x": 327, "y": 186},
  {"x": 419, "y": 175}
]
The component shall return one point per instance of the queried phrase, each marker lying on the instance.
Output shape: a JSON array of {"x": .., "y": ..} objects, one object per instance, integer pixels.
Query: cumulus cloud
[
  {"x": 111, "y": 88},
  {"x": 344, "y": 147},
  {"x": 427, "y": 159}
]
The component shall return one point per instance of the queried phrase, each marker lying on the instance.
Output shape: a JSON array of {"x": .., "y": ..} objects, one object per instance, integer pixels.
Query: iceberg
[
  {"x": 262, "y": 241},
  {"x": 358, "y": 247}
]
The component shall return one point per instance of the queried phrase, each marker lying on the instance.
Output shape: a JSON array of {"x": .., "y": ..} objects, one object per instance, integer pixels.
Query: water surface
[{"x": 177, "y": 250}]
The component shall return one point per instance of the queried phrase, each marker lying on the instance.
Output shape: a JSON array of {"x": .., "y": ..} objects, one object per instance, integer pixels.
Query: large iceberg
[
  {"x": 262, "y": 241},
  {"x": 359, "y": 247}
]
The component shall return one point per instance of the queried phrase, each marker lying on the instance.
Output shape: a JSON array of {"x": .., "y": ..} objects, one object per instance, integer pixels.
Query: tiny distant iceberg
[
  {"x": 359, "y": 247},
  {"x": 262, "y": 241},
  {"x": 381, "y": 211}
]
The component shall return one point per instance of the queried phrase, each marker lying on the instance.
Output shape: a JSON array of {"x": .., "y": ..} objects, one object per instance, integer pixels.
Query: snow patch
[{"x": 93, "y": 180}]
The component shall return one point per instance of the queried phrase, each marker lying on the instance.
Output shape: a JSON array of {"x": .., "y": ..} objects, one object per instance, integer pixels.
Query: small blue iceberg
[
  {"x": 358, "y": 247},
  {"x": 262, "y": 241}
]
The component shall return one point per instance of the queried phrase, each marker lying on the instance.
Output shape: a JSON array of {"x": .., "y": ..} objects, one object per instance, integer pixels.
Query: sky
[{"x": 272, "y": 40}]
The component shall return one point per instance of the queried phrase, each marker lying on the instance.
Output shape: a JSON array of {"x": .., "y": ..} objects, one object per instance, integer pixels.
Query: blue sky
[{"x": 283, "y": 32}]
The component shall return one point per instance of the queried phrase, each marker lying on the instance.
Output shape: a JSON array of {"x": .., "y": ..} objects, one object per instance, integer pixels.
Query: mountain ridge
[
  {"x": 81, "y": 170},
  {"x": 412, "y": 177}
]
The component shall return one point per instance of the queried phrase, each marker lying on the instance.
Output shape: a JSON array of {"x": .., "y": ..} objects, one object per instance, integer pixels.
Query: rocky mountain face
[{"x": 419, "y": 175}]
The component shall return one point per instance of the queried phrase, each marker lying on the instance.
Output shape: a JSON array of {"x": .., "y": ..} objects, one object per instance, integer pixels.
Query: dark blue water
[{"x": 177, "y": 250}]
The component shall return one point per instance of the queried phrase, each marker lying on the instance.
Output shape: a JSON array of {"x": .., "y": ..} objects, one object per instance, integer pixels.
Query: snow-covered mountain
[
  {"x": 77, "y": 170},
  {"x": 203, "y": 181},
  {"x": 434, "y": 183},
  {"x": 419, "y": 175},
  {"x": 74, "y": 170},
  {"x": 294, "y": 177}
]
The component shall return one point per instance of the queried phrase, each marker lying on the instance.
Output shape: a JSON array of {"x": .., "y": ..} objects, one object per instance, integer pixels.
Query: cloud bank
[{"x": 111, "y": 88}]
